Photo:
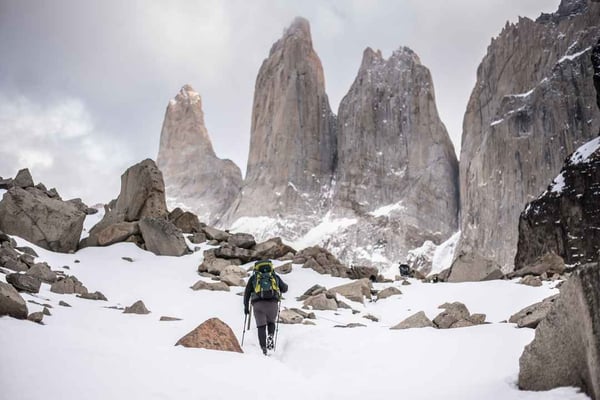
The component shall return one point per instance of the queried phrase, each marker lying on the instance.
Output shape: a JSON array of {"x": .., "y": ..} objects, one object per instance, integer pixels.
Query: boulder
[
  {"x": 531, "y": 280},
  {"x": 312, "y": 291},
  {"x": 472, "y": 268},
  {"x": 197, "y": 238},
  {"x": 290, "y": 317},
  {"x": 232, "y": 280},
  {"x": 64, "y": 304},
  {"x": 418, "y": 320},
  {"x": 11, "y": 302},
  {"x": 234, "y": 270},
  {"x": 454, "y": 315},
  {"x": 566, "y": 347},
  {"x": 212, "y": 286},
  {"x": 162, "y": 238},
  {"x": 93, "y": 296},
  {"x": 549, "y": 264},
  {"x": 228, "y": 251},
  {"x": 477, "y": 319},
  {"x": 27, "y": 250},
  {"x": 212, "y": 334},
  {"x": 355, "y": 291},
  {"x": 23, "y": 179},
  {"x": 137, "y": 308},
  {"x": 322, "y": 261},
  {"x": 215, "y": 234},
  {"x": 36, "y": 317},
  {"x": 360, "y": 272},
  {"x": 284, "y": 269},
  {"x": 117, "y": 233},
  {"x": 24, "y": 282},
  {"x": 187, "y": 221},
  {"x": 320, "y": 302},
  {"x": 49, "y": 223},
  {"x": 531, "y": 316},
  {"x": 273, "y": 249},
  {"x": 387, "y": 292},
  {"x": 167, "y": 318},
  {"x": 214, "y": 265},
  {"x": 243, "y": 240},
  {"x": 68, "y": 285}
]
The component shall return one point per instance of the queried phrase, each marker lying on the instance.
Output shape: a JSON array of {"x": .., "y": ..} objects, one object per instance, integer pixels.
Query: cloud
[{"x": 61, "y": 147}]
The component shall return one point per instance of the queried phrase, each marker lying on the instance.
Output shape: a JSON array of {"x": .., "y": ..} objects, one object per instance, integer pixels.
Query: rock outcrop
[
  {"x": 11, "y": 302},
  {"x": 212, "y": 334},
  {"x": 566, "y": 347},
  {"x": 194, "y": 176},
  {"x": 529, "y": 109},
  {"x": 396, "y": 162},
  {"x": 39, "y": 216},
  {"x": 293, "y": 141}
]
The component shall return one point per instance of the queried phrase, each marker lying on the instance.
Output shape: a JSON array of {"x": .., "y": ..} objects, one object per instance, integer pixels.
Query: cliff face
[
  {"x": 293, "y": 141},
  {"x": 530, "y": 108},
  {"x": 194, "y": 176},
  {"x": 397, "y": 169}
]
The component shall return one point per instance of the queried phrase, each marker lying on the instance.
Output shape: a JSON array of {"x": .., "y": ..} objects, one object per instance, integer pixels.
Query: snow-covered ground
[{"x": 90, "y": 351}]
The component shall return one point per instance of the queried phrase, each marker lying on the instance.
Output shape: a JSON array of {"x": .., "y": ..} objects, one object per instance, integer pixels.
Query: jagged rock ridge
[
  {"x": 531, "y": 106},
  {"x": 195, "y": 177}
]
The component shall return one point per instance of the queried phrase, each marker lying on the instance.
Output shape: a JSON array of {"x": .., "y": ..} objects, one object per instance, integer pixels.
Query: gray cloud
[{"x": 92, "y": 79}]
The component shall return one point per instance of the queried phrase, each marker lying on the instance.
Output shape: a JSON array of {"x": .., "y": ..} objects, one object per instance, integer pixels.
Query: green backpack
[{"x": 265, "y": 284}]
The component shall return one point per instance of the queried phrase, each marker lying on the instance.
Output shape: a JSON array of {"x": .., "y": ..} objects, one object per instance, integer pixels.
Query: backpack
[{"x": 265, "y": 284}]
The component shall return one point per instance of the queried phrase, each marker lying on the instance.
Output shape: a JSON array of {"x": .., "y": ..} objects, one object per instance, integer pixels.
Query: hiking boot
[
  {"x": 264, "y": 350},
  {"x": 270, "y": 342}
]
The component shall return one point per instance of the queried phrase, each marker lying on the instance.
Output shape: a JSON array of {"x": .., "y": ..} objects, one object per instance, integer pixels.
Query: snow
[
  {"x": 521, "y": 95},
  {"x": 558, "y": 184},
  {"x": 496, "y": 122},
  {"x": 583, "y": 153},
  {"x": 444, "y": 254},
  {"x": 96, "y": 353},
  {"x": 571, "y": 57},
  {"x": 328, "y": 227},
  {"x": 387, "y": 210}
]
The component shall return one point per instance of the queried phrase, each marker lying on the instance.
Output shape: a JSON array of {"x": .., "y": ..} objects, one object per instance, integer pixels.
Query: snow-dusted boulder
[
  {"x": 355, "y": 291},
  {"x": 320, "y": 302},
  {"x": 388, "y": 292},
  {"x": 531, "y": 316},
  {"x": 417, "y": 320}
]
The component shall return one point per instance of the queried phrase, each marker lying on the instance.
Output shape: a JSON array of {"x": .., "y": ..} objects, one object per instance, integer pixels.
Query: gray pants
[{"x": 265, "y": 312}]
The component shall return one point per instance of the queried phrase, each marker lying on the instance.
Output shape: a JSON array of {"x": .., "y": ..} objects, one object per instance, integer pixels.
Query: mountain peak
[{"x": 188, "y": 95}]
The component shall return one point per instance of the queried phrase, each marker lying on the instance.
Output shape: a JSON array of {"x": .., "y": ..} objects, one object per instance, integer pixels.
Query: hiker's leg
[
  {"x": 262, "y": 336},
  {"x": 259, "y": 313},
  {"x": 271, "y": 328}
]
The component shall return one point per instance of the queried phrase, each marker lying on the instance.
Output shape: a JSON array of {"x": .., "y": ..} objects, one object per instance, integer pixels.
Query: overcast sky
[{"x": 84, "y": 84}]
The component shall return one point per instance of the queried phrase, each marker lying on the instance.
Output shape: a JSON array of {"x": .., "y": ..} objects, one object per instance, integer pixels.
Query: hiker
[
  {"x": 404, "y": 270},
  {"x": 264, "y": 290}
]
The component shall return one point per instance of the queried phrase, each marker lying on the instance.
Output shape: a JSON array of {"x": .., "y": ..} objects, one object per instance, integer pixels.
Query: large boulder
[
  {"x": 68, "y": 285},
  {"x": 355, "y": 291},
  {"x": 117, "y": 233},
  {"x": 388, "y": 292},
  {"x": 142, "y": 195},
  {"x": 566, "y": 347},
  {"x": 211, "y": 286},
  {"x": 49, "y": 223},
  {"x": 212, "y": 334},
  {"x": 273, "y": 248},
  {"x": 320, "y": 302},
  {"x": 162, "y": 237},
  {"x": 187, "y": 221},
  {"x": 11, "y": 302},
  {"x": 243, "y": 240},
  {"x": 136, "y": 308},
  {"x": 43, "y": 272},
  {"x": 418, "y": 320},
  {"x": 228, "y": 251},
  {"x": 471, "y": 267},
  {"x": 532, "y": 315},
  {"x": 322, "y": 261},
  {"x": 24, "y": 282}
]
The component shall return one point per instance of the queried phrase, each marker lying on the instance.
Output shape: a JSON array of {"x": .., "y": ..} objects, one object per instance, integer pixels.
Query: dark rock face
[
  {"x": 564, "y": 220},
  {"x": 529, "y": 109},
  {"x": 293, "y": 141},
  {"x": 566, "y": 348},
  {"x": 193, "y": 174},
  {"x": 50, "y": 223}
]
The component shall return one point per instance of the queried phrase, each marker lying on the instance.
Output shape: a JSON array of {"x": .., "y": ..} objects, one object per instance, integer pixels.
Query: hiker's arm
[{"x": 282, "y": 285}]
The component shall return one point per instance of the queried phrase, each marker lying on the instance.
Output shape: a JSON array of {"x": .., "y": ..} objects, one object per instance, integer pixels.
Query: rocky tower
[
  {"x": 393, "y": 149},
  {"x": 193, "y": 174},
  {"x": 292, "y": 142},
  {"x": 530, "y": 108}
]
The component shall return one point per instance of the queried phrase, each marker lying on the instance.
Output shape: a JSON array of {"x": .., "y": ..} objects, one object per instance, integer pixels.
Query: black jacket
[{"x": 283, "y": 287}]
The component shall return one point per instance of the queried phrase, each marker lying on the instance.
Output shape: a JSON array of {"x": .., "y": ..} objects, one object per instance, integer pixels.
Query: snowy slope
[{"x": 93, "y": 352}]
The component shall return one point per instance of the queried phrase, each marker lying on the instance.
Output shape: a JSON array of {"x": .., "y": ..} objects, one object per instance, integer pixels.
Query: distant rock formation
[
  {"x": 397, "y": 170},
  {"x": 40, "y": 215},
  {"x": 530, "y": 108},
  {"x": 292, "y": 143},
  {"x": 195, "y": 177}
]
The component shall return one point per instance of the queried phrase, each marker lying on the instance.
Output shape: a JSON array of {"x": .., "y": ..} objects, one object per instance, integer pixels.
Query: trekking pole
[
  {"x": 244, "y": 331},
  {"x": 250, "y": 319},
  {"x": 277, "y": 325}
]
